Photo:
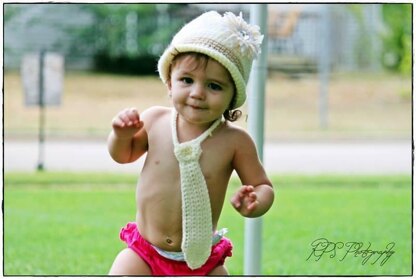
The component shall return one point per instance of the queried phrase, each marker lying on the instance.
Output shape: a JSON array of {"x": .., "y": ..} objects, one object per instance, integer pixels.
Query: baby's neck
[{"x": 188, "y": 131}]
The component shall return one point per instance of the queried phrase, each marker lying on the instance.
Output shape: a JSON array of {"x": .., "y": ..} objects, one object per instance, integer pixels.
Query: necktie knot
[{"x": 187, "y": 152}]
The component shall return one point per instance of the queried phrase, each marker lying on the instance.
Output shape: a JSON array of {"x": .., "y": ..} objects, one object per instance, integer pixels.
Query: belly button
[{"x": 169, "y": 241}]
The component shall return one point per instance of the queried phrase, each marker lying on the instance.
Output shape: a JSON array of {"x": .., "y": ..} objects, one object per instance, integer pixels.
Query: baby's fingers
[
  {"x": 252, "y": 205},
  {"x": 118, "y": 122},
  {"x": 252, "y": 196},
  {"x": 247, "y": 189},
  {"x": 235, "y": 200},
  {"x": 251, "y": 200},
  {"x": 127, "y": 118},
  {"x": 133, "y": 116}
]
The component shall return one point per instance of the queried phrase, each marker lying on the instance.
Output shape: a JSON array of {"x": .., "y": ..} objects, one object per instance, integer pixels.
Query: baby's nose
[{"x": 198, "y": 92}]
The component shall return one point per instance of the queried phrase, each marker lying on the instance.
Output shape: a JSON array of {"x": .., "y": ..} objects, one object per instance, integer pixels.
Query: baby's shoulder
[
  {"x": 155, "y": 118},
  {"x": 155, "y": 113},
  {"x": 236, "y": 134}
]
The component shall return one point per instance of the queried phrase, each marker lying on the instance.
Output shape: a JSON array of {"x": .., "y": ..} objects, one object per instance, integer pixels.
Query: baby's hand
[
  {"x": 127, "y": 123},
  {"x": 245, "y": 200}
]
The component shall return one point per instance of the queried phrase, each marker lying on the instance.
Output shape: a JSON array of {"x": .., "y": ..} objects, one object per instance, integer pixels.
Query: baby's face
[{"x": 200, "y": 91}]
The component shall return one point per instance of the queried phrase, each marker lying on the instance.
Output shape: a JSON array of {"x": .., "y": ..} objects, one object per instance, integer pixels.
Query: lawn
[{"x": 68, "y": 224}]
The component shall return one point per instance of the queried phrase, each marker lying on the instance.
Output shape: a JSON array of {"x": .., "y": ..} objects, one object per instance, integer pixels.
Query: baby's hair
[{"x": 202, "y": 60}]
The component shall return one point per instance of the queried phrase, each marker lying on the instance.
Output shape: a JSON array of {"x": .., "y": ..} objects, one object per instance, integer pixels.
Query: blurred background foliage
[
  {"x": 397, "y": 40},
  {"x": 127, "y": 38},
  {"x": 396, "y": 35},
  {"x": 120, "y": 38},
  {"x": 124, "y": 38}
]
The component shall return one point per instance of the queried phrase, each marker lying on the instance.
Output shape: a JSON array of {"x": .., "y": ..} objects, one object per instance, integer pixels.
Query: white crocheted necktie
[{"x": 196, "y": 207}]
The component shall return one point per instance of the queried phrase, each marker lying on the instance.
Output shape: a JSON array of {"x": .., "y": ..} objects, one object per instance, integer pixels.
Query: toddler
[{"x": 192, "y": 150}]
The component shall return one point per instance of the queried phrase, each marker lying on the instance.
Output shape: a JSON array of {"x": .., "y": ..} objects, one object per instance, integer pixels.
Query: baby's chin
[{"x": 201, "y": 121}]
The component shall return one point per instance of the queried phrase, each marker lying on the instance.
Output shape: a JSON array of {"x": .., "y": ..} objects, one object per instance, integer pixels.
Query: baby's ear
[{"x": 169, "y": 86}]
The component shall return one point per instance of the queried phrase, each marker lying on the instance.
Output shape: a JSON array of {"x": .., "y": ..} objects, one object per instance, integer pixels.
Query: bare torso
[{"x": 158, "y": 194}]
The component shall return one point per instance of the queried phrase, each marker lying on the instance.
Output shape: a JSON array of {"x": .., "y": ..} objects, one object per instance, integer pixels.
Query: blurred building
[
  {"x": 295, "y": 32},
  {"x": 33, "y": 27}
]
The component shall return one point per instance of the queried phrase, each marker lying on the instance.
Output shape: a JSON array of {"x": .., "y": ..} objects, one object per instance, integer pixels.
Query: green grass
[{"x": 68, "y": 224}]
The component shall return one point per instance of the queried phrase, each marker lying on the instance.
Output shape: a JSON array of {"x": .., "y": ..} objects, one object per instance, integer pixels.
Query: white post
[{"x": 256, "y": 92}]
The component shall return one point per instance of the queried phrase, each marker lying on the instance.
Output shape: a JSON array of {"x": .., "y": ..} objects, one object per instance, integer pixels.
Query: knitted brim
[{"x": 166, "y": 60}]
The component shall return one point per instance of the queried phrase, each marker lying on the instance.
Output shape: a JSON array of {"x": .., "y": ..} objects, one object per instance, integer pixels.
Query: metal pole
[
  {"x": 374, "y": 23},
  {"x": 40, "y": 166},
  {"x": 253, "y": 226},
  {"x": 324, "y": 66}
]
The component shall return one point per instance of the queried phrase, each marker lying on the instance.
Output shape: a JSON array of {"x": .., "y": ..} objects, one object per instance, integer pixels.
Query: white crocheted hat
[{"x": 228, "y": 39}]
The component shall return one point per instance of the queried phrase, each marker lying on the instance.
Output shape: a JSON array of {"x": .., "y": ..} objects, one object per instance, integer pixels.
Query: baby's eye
[
  {"x": 186, "y": 80},
  {"x": 215, "y": 86}
]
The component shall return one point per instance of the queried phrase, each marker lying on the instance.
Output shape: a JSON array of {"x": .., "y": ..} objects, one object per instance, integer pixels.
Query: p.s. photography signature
[{"x": 322, "y": 248}]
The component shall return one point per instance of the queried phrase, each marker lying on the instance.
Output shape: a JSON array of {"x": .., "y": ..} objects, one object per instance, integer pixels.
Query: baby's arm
[
  {"x": 128, "y": 139},
  {"x": 256, "y": 196}
]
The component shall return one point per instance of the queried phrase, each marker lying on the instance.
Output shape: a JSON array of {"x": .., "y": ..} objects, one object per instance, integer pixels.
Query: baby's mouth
[{"x": 196, "y": 107}]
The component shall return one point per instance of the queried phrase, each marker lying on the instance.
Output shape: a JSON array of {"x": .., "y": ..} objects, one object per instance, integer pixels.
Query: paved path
[{"x": 298, "y": 157}]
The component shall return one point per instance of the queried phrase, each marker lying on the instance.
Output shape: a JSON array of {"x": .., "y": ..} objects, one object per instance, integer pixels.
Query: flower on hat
[{"x": 245, "y": 36}]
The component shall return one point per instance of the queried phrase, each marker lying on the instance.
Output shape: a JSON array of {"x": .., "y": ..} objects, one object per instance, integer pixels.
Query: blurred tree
[
  {"x": 10, "y": 11},
  {"x": 362, "y": 52},
  {"x": 126, "y": 37},
  {"x": 397, "y": 41}
]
